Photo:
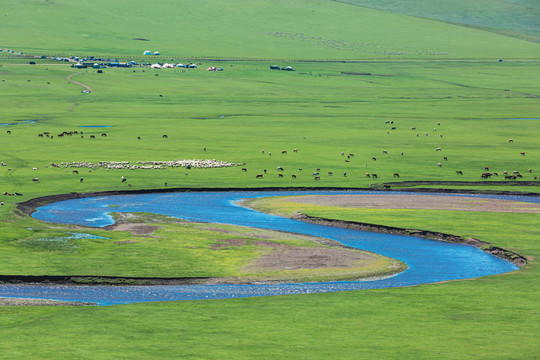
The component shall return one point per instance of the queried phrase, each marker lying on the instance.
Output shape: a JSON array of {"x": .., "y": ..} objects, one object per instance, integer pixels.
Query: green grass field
[{"x": 322, "y": 109}]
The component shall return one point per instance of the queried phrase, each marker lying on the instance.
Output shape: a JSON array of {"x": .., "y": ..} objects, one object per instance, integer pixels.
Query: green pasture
[
  {"x": 323, "y": 109},
  {"x": 314, "y": 29}
]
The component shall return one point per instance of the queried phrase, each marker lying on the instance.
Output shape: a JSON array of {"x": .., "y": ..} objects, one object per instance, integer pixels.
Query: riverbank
[{"x": 30, "y": 206}]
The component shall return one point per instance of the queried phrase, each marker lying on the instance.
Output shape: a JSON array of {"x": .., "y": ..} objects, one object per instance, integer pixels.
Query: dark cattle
[
  {"x": 368, "y": 174},
  {"x": 394, "y": 128},
  {"x": 35, "y": 179},
  {"x": 75, "y": 171},
  {"x": 40, "y": 135},
  {"x": 486, "y": 168},
  {"x": 385, "y": 152},
  {"x": 293, "y": 176},
  {"x": 295, "y": 150},
  {"x": 284, "y": 152},
  {"x": 259, "y": 176},
  {"x": 188, "y": 167},
  {"x": 345, "y": 174},
  {"x": 374, "y": 159},
  {"x": 138, "y": 138},
  {"x": 280, "y": 175},
  {"x": 445, "y": 158},
  {"x": 9, "y": 131},
  {"x": 105, "y": 135},
  {"x": 496, "y": 173},
  {"x": 486, "y": 175},
  {"x": 165, "y": 136},
  {"x": 523, "y": 153},
  {"x": 459, "y": 172},
  {"x": 124, "y": 179},
  {"x": 413, "y": 128},
  {"x": 374, "y": 176},
  {"x": 244, "y": 169},
  {"x": 82, "y": 179},
  {"x": 510, "y": 177},
  {"x": 519, "y": 176},
  {"x": 351, "y": 155},
  {"x": 396, "y": 175},
  {"x": 315, "y": 173},
  {"x": 317, "y": 178},
  {"x": 510, "y": 140},
  {"x": 92, "y": 137},
  {"x": 530, "y": 171},
  {"x": 330, "y": 173},
  {"x": 347, "y": 160},
  {"x": 280, "y": 168},
  {"x": 265, "y": 171}
]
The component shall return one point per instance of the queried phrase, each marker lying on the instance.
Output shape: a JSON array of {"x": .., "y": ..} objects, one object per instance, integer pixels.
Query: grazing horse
[
  {"x": 396, "y": 175},
  {"x": 259, "y": 176}
]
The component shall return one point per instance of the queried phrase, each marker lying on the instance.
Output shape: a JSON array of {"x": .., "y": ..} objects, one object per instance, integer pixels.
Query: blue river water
[{"x": 428, "y": 261}]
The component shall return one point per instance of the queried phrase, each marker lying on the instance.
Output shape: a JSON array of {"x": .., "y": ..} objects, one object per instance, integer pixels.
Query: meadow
[{"x": 399, "y": 72}]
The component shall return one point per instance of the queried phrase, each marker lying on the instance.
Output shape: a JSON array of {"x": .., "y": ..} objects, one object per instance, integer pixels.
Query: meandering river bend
[{"x": 428, "y": 261}]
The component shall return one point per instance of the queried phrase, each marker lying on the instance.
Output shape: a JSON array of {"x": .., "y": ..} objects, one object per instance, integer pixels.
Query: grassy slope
[
  {"x": 488, "y": 318},
  {"x": 239, "y": 29},
  {"x": 517, "y": 18}
]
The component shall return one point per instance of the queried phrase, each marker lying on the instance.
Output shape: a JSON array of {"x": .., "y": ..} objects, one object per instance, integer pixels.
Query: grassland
[
  {"x": 518, "y": 18},
  {"x": 322, "y": 109}
]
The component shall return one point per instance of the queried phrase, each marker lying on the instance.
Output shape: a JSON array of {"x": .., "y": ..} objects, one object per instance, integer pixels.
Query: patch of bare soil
[
  {"x": 420, "y": 202},
  {"x": 134, "y": 228},
  {"x": 38, "y": 302},
  {"x": 286, "y": 257}
]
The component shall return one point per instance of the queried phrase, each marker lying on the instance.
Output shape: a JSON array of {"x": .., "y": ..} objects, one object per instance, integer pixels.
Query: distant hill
[
  {"x": 278, "y": 29},
  {"x": 518, "y": 18}
]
